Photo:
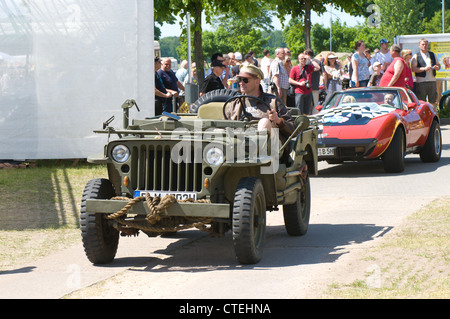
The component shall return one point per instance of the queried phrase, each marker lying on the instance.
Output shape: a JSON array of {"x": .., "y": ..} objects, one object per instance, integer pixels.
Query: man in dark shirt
[
  {"x": 213, "y": 82},
  {"x": 163, "y": 98},
  {"x": 169, "y": 79}
]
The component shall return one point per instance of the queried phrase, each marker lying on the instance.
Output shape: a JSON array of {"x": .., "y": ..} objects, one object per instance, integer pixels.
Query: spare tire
[{"x": 221, "y": 95}]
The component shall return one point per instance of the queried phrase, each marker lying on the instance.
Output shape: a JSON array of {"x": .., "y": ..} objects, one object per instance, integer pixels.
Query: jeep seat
[{"x": 212, "y": 111}]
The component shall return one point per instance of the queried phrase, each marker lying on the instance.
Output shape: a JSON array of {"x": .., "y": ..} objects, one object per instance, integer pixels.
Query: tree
[
  {"x": 434, "y": 25},
  {"x": 301, "y": 9},
  {"x": 400, "y": 17},
  {"x": 291, "y": 36},
  {"x": 211, "y": 8}
]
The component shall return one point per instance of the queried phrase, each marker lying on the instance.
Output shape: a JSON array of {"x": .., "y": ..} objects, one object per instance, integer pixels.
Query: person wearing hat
[
  {"x": 384, "y": 56},
  {"x": 212, "y": 81},
  {"x": 332, "y": 74},
  {"x": 376, "y": 75},
  {"x": 277, "y": 116}
]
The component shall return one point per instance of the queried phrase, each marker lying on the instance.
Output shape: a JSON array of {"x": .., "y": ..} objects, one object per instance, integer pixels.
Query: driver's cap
[{"x": 249, "y": 70}]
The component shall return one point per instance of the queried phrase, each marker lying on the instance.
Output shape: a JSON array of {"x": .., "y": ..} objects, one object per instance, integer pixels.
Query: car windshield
[{"x": 371, "y": 98}]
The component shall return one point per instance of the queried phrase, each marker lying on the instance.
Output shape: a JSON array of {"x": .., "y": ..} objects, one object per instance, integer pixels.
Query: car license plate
[
  {"x": 178, "y": 195},
  {"x": 326, "y": 151}
]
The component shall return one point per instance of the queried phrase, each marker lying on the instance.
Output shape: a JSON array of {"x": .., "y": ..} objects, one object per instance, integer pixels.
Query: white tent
[{"x": 67, "y": 66}]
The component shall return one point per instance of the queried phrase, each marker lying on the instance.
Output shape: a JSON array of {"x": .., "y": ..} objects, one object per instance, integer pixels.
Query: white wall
[{"x": 68, "y": 65}]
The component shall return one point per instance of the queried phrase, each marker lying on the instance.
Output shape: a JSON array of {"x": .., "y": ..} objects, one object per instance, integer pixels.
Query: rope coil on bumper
[{"x": 155, "y": 221}]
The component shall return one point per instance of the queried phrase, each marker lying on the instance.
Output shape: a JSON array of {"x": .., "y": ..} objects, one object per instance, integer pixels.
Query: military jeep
[{"x": 177, "y": 171}]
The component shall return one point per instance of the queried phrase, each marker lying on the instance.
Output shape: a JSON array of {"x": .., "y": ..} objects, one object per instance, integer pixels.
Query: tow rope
[{"x": 156, "y": 221}]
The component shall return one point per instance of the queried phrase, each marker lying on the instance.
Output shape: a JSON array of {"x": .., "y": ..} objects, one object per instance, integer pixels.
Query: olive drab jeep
[{"x": 177, "y": 171}]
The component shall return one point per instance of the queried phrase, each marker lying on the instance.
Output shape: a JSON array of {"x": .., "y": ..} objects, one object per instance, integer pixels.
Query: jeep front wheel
[
  {"x": 100, "y": 239},
  {"x": 249, "y": 220}
]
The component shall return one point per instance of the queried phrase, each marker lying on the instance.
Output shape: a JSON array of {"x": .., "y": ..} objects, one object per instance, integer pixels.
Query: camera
[{"x": 307, "y": 84}]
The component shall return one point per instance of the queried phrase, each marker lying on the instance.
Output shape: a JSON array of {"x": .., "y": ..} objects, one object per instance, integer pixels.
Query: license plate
[
  {"x": 326, "y": 151},
  {"x": 178, "y": 195}
]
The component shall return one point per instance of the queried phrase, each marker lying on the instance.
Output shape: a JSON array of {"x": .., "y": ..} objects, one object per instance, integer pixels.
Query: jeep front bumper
[{"x": 211, "y": 210}]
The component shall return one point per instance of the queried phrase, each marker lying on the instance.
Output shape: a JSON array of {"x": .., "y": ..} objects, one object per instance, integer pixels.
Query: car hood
[
  {"x": 356, "y": 122},
  {"x": 352, "y": 114}
]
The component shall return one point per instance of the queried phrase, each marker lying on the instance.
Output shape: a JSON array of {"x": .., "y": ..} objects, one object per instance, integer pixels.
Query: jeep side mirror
[{"x": 319, "y": 107}]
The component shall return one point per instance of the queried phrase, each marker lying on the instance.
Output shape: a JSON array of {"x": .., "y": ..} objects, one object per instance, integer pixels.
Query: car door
[{"x": 413, "y": 122}]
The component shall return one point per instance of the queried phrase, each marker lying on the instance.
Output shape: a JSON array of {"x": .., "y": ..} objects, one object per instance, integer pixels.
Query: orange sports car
[{"x": 378, "y": 123}]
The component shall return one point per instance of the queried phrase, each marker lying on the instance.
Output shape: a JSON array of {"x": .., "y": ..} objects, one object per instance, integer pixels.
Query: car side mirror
[
  {"x": 411, "y": 106},
  {"x": 319, "y": 107}
]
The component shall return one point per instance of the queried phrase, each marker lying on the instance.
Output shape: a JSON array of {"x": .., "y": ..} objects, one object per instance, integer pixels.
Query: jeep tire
[
  {"x": 100, "y": 239},
  {"x": 249, "y": 220},
  {"x": 221, "y": 95}
]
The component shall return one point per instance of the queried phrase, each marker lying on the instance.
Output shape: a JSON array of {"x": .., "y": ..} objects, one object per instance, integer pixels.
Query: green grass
[
  {"x": 46, "y": 196},
  {"x": 40, "y": 208},
  {"x": 412, "y": 262}
]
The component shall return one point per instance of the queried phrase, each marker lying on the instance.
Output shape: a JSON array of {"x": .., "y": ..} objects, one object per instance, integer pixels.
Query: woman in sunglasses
[{"x": 277, "y": 116}]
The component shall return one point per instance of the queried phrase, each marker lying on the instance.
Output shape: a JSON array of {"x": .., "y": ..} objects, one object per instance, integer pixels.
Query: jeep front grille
[{"x": 153, "y": 169}]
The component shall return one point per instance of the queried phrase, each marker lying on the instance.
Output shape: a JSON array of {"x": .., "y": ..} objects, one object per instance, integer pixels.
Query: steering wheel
[{"x": 245, "y": 115}]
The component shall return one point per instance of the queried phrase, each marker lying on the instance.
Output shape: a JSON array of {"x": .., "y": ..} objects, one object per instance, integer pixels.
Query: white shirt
[
  {"x": 429, "y": 75},
  {"x": 265, "y": 63},
  {"x": 383, "y": 58}
]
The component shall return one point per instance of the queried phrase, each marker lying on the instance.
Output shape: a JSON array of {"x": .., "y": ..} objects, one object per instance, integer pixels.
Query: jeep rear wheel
[
  {"x": 100, "y": 239},
  {"x": 249, "y": 220},
  {"x": 296, "y": 215}
]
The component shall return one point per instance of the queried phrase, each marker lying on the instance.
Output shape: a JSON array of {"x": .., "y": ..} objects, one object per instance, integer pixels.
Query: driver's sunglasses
[{"x": 245, "y": 80}]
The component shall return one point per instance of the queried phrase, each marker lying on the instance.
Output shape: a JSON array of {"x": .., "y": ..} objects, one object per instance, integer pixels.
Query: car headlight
[
  {"x": 214, "y": 156},
  {"x": 120, "y": 153}
]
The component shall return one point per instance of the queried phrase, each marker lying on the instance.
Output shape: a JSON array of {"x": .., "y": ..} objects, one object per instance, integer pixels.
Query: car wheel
[
  {"x": 432, "y": 149},
  {"x": 444, "y": 102},
  {"x": 249, "y": 220},
  {"x": 296, "y": 216},
  {"x": 100, "y": 239},
  {"x": 394, "y": 156}
]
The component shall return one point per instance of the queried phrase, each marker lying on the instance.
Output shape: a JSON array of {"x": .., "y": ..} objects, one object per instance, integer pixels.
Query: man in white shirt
[
  {"x": 265, "y": 66},
  {"x": 425, "y": 64},
  {"x": 383, "y": 56},
  {"x": 279, "y": 75}
]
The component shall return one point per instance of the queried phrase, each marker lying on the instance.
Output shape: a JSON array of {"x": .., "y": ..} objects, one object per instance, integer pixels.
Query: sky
[{"x": 168, "y": 30}]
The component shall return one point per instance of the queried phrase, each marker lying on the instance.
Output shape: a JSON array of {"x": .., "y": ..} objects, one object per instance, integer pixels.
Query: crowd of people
[{"x": 299, "y": 85}]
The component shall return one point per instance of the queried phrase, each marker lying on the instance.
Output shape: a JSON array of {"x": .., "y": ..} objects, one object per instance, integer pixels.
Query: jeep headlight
[
  {"x": 214, "y": 156},
  {"x": 120, "y": 153}
]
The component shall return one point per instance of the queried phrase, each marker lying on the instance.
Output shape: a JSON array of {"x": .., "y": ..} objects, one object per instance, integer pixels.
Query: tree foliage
[{"x": 400, "y": 17}]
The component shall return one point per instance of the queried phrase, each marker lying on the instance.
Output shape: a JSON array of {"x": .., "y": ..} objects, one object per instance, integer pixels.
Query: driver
[
  {"x": 278, "y": 116},
  {"x": 389, "y": 99}
]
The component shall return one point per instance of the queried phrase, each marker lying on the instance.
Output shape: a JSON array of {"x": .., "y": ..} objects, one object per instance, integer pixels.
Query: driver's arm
[{"x": 286, "y": 125}]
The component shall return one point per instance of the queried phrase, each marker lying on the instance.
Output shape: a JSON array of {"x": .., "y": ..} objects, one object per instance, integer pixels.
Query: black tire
[
  {"x": 432, "y": 149},
  {"x": 296, "y": 216},
  {"x": 444, "y": 102},
  {"x": 214, "y": 96},
  {"x": 100, "y": 239},
  {"x": 394, "y": 156},
  {"x": 249, "y": 220}
]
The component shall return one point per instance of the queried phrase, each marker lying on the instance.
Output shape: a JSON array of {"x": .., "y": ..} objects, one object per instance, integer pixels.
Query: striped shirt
[{"x": 277, "y": 67}]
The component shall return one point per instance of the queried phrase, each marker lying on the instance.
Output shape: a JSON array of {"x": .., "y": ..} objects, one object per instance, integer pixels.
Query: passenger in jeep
[{"x": 277, "y": 116}]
